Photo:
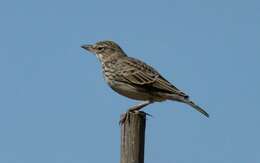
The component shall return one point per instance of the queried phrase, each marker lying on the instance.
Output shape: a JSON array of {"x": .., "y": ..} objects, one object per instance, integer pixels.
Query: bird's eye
[{"x": 100, "y": 48}]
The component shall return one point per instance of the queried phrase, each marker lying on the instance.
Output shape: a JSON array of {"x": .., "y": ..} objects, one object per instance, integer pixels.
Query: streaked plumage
[{"x": 135, "y": 79}]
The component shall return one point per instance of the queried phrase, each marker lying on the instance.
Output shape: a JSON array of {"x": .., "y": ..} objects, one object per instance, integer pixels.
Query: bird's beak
[{"x": 87, "y": 47}]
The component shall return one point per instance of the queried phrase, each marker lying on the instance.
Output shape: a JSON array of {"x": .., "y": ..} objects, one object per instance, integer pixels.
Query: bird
[{"x": 134, "y": 78}]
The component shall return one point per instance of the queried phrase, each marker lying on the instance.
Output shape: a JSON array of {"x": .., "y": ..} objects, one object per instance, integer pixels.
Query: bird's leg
[
  {"x": 135, "y": 108},
  {"x": 139, "y": 106}
]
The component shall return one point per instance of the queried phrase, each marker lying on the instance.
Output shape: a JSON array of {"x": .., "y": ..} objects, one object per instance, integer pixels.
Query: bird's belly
[{"x": 130, "y": 91}]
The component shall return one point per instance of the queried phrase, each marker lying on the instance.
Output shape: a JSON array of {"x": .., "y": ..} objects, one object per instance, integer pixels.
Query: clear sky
[{"x": 56, "y": 108}]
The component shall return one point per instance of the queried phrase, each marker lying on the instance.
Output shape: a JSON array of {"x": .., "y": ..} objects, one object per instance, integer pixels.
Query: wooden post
[{"x": 133, "y": 138}]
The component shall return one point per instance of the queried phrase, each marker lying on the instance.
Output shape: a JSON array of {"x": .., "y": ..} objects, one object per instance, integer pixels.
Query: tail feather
[
  {"x": 199, "y": 109},
  {"x": 186, "y": 100}
]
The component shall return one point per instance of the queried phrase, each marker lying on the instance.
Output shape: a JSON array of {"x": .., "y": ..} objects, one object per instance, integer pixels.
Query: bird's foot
[
  {"x": 123, "y": 118},
  {"x": 126, "y": 116},
  {"x": 134, "y": 109}
]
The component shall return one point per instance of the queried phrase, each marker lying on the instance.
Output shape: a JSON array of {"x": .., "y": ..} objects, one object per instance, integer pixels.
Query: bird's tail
[
  {"x": 186, "y": 100},
  {"x": 199, "y": 109}
]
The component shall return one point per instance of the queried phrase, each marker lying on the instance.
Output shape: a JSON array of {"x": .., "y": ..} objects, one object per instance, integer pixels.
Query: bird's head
[{"x": 105, "y": 49}]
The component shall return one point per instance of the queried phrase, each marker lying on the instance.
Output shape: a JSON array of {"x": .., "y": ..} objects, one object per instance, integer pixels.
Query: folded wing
[{"x": 138, "y": 73}]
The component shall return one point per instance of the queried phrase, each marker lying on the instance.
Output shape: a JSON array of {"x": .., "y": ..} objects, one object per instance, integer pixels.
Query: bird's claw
[{"x": 126, "y": 116}]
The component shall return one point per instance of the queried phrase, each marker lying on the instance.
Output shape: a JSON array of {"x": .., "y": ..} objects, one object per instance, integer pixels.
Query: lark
[{"x": 135, "y": 79}]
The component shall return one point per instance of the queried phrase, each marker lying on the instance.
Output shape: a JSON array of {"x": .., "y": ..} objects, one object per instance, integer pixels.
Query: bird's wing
[{"x": 138, "y": 73}]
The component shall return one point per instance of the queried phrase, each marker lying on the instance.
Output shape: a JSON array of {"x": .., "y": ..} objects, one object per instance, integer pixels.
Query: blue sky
[{"x": 55, "y": 106}]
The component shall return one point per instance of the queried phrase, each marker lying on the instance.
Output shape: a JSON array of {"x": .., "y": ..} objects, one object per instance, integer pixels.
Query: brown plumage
[{"x": 135, "y": 79}]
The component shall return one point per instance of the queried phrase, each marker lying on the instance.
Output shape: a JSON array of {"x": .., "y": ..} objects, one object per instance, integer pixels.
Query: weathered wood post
[{"x": 133, "y": 138}]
